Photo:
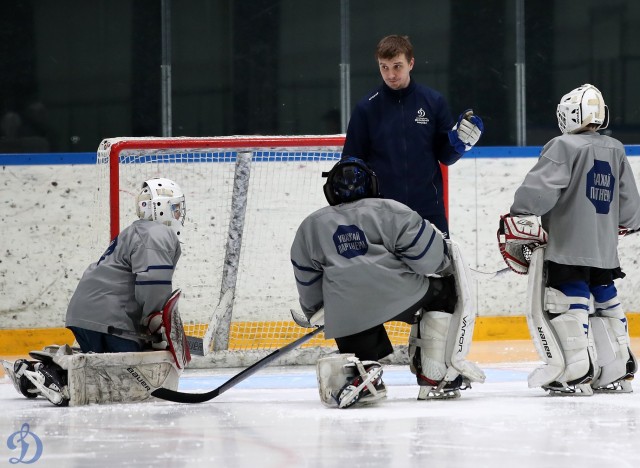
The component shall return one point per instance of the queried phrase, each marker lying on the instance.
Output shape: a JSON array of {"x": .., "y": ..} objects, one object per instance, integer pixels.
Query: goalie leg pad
[
  {"x": 120, "y": 377},
  {"x": 439, "y": 343},
  {"x": 562, "y": 341},
  {"x": 103, "y": 377},
  {"x": 615, "y": 359},
  {"x": 571, "y": 329},
  {"x": 540, "y": 329},
  {"x": 611, "y": 335},
  {"x": 428, "y": 346},
  {"x": 345, "y": 381}
]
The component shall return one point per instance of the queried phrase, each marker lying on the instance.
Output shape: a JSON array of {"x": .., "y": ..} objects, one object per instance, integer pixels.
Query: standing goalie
[
  {"x": 583, "y": 188},
  {"x": 365, "y": 261},
  {"x": 125, "y": 290}
]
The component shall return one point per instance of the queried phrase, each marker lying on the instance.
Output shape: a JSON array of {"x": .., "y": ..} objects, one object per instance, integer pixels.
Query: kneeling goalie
[
  {"x": 123, "y": 300},
  {"x": 584, "y": 189},
  {"x": 365, "y": 261}
]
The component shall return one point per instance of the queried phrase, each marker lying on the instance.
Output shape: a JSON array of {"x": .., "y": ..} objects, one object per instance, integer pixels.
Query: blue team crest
[
  {"x": 600, "y": 186},
  {"x": 350, "y": 241}
]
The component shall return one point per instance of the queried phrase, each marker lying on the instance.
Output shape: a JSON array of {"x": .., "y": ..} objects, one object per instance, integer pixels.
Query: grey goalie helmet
[
  {"x": 581, "y": 107},
  {"x": 162, "y": 200}
]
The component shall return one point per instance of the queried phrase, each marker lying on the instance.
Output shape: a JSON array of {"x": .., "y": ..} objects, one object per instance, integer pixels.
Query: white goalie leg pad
[
  {"x": 117, "y": 377},
  {"x": 429, "y": 338},
  {"x": 615, "y": 359},
  {"x": 345, "y": 381},
  {"x": 439, "y": 343},
  {"x": 571, "y": 328},
  {"x": 462, "y": 322},
  {"x": 562, "y": 343},
  {"x": 540, "y": 329}
]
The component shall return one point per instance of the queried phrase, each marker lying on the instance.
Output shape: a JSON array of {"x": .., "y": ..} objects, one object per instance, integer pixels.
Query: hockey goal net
[{"x": 245, "y": 198}]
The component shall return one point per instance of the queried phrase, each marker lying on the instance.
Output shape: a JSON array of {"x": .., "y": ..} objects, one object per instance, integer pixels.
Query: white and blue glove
[{"x": 466, "y": 132}]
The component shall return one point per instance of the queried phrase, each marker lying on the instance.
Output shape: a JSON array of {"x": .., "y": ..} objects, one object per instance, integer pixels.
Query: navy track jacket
[{"x": 402, "y": 135}]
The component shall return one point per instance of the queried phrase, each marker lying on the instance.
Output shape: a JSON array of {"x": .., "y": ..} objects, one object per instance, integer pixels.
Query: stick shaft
[{"x": 183, "y": 397}]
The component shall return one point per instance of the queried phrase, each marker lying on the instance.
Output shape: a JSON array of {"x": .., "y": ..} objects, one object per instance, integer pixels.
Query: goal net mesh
[{"x": 257, "y": 212}]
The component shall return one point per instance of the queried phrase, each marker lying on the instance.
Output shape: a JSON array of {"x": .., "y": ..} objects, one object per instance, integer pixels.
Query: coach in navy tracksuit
[{"x": 403, "y": 130}]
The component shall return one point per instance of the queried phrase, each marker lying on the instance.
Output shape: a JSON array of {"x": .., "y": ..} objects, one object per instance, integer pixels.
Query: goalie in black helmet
[{"x": 365, "y": 261}]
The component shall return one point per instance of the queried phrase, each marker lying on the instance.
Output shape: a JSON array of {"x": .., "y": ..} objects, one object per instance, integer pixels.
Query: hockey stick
[
  {"x": 183, "y": 397},
  {"x": 195, "y": 344},
  {"x": 491, "y": 274}
]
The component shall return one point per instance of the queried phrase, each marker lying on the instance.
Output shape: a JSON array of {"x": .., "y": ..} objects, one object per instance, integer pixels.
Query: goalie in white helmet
[
  {"x": 367, "y": 261},
  {"x": 583, "y": 189},
  {"x": 124, "y": 289}
]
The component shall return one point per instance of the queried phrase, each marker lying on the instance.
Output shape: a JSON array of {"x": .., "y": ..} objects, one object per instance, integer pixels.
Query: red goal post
[{"x": 245, "y": 198}]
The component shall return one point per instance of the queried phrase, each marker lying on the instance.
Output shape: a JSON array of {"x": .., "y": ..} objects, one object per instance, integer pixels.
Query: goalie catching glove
[
  {"x": 155, "y": 326},
  {"x": 518, "y": 236},
  {"x": 466, "y": 132}
]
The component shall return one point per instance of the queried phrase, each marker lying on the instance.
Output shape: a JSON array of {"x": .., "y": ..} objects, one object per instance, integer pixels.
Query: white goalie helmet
[
  {"x": 162, "y": 200},
  {"x": 581, "y": 107}
]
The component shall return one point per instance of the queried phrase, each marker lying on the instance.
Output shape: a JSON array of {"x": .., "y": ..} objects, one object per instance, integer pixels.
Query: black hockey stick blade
[
  {"x": 184, "y": 397},
  {"x": 195, "y": 344}
]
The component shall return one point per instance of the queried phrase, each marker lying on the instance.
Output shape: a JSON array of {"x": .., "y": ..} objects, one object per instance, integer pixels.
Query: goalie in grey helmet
[
  {"x": 366, "y": 261},
  {"x": 583, "y": 188},
  {"x": 126, "y": 288}
]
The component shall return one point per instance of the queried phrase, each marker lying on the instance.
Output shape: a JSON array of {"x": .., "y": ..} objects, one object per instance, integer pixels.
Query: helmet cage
[
  {"x": 350, "y": 180},
  {"x": 581, "y": 107},
  {"x": 163, "y": 201}
]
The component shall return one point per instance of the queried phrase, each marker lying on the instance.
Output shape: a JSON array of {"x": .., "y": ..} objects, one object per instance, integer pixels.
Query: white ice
[{"x": 275, "y": 419}]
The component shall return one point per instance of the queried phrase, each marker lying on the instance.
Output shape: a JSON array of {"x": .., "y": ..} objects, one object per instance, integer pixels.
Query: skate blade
[
  {"x": 621, "y": 386},
  {"x": 9, "y": 372},
  {"x": 430, "y": 393},
  {"x": 575, "y": 390}
]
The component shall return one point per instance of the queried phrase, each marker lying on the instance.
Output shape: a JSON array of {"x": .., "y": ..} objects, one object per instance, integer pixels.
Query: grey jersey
[
  {"x": 131, "y": 279},
  {"x": 583, "y": 188},
  {"x": 366, "y": 261}
]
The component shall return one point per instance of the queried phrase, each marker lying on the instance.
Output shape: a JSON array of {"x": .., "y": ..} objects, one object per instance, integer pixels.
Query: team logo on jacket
[
  {"x": 600, "y": 185},
  {"x": 422, "y": 118},
  {"x": 350, "y": 241}
]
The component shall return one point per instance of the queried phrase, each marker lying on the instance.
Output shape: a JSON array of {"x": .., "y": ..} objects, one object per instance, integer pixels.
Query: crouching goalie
[
  {"x": 584, "y": 189},
  {"x": 365, "y": 261},
  {"x": 123, "y": 302}
]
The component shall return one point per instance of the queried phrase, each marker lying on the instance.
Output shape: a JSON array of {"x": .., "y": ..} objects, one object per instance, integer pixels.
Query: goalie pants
[
  {"x": 557, "y": 274},
  {"x": 374, "y": 344},
  {"x": 96, "y": 342}
]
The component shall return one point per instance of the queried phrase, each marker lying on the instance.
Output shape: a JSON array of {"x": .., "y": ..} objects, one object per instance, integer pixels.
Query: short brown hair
[{"x": 391, "y": 46}]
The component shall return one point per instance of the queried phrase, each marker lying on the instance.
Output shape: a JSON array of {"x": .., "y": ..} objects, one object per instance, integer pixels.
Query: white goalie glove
[
  {"x": 466, "y": 132},
  {"x": 518, "y": 236}
]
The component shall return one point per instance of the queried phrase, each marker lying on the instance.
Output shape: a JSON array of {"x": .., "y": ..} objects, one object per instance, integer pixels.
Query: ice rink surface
[{"x": 275, "y": 419}]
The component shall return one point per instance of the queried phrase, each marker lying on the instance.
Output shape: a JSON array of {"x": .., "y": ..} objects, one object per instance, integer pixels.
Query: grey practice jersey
[
  {"x": 583, "y": 188},
  {"x": 130, "y": 280},
  {"x": 366, "y": 261}
]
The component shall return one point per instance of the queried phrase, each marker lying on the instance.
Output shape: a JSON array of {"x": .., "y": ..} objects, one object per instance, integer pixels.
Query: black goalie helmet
[{"x": 350, "y": 180}]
